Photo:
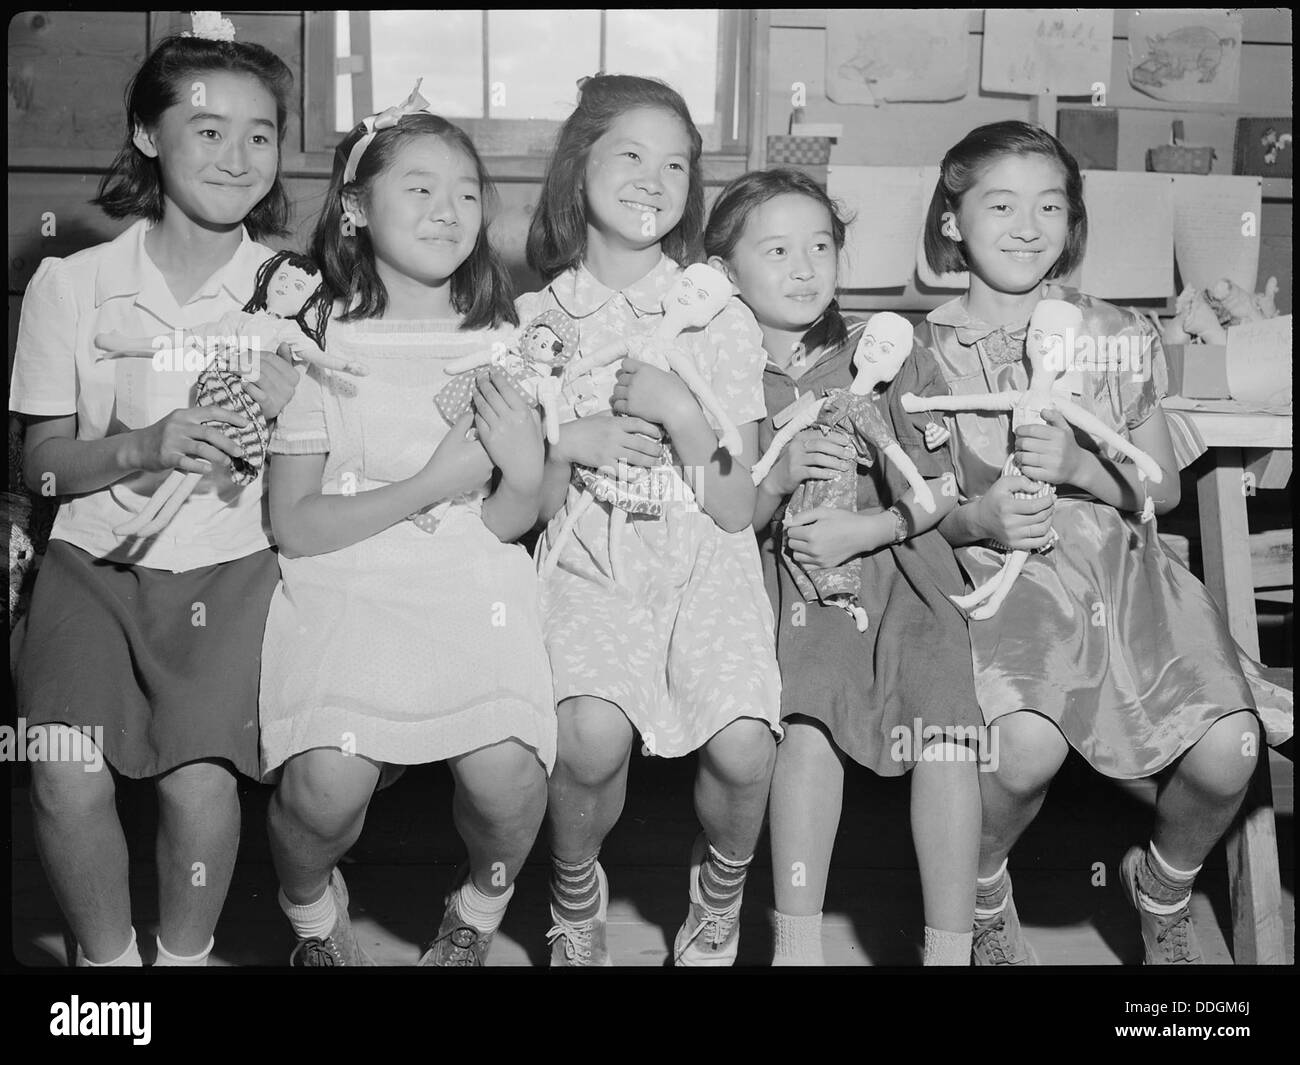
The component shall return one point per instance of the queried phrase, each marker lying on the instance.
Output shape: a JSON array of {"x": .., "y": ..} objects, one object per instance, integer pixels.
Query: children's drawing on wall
[
  {"x": 874, "y": 56},
  {"x": 1046, "y": 51},
  {"x": 1190, "y": 56}
]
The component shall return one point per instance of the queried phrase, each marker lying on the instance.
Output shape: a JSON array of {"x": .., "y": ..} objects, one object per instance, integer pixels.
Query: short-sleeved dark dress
[{"x": 911, "y": 669}]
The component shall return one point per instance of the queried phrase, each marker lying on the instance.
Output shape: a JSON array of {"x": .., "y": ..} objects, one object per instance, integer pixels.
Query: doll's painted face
[
  {"x": 289, "y": 290},
  {"x": 700, "y": 293},
  {"x": 541, "y": 344},
  {"x": 1052, "y": 327},
  {"x": 885, "y": 345}
]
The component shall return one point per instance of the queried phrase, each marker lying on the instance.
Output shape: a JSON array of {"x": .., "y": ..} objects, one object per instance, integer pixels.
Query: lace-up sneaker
[
  {"x": 999, "y": 940},
  {"x": 707, "y": 937},
  {"x": 583, "y": 943},
  {"x": 338, "y": 949},
  {"x": 457, "y": 943},
  {"x": 1167, "y": 939}
]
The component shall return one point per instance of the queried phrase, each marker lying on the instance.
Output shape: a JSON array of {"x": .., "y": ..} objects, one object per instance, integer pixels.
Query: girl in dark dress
[{"x": 899, "y": 695}]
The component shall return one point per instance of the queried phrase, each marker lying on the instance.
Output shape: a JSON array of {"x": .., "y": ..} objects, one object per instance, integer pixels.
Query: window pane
[
  {"x": 679, "y": 47},
  {"x": 443, "y": 47},
  {"x": 535, "y": 59},
  {"x": 343, "y": 120}
]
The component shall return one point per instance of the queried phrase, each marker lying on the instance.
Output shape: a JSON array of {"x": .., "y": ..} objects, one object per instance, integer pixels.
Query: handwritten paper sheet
[
  {"x": 1130, "y": 235},
  {"x": 886, "y": 203},
  {"x": 1216, "y": 228},
  {"x": 1186, "y": 55},
  {"x": 1046, "y": 50},
  {"x": 959, "y": 281},
  {"x": 1259, "y": 362},
  {"x": 895, "y": 55}
]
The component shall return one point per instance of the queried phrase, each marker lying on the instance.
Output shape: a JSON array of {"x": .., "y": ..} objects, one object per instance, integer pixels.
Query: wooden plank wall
[
  {"x": 68, "y": 72},
  {"x": 906, "y": 134}
]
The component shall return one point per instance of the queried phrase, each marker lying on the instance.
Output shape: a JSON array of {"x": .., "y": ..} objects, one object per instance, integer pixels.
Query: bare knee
[
  {"x": 1031, "y": 750},
  {"x": 742, "y": 754},
  {"x": 1221, "y": 763},
  {"x": 594, "y": 740},
  {"x": 66, "y": 789},
  {"x": 318, "y": 801},
  {"x": 501, "y": 781},
  {"x": 197, "y": 786}
]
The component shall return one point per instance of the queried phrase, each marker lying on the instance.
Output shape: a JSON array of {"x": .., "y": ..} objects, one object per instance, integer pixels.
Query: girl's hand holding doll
[
  {"x": 657, "y": 395},
  {"x": 1021, "y": 524},
  {"x": 510, "y": 431},
  {"x": 457, "y": 466},
  {"x": 273, "y": 382},
  {"x": 810, "y": 456},
  {"x": 825, "y": 537},
  {"x": 183, "y": 441},
  {"x": 1049, "y": 453}
]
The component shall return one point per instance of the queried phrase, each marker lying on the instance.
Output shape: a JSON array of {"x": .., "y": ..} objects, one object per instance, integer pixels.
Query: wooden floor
[{"x": 406, "y": 857}]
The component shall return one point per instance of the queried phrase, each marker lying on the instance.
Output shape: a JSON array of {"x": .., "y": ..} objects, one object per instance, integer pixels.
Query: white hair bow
[{"x": 412, "y": 105}]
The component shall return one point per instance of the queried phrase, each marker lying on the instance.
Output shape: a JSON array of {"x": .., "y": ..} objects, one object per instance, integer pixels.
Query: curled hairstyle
[
  {"x": 961, "y": 169},
  {"x": 732, "y": 208},
  {"x": 315, "y": 313},
  {"x": 133, "y": 184},
  {"x": 557, "y": 235},
  {"x": 480, "y": 288}
]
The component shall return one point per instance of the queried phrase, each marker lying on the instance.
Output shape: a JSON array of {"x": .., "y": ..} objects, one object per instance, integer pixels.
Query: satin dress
[{"x": 1108, "y": 634}]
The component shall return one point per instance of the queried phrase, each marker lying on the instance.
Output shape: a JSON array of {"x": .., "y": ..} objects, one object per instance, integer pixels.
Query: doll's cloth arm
[
  {"x": 683, "y": 365},
  {"x": 602, "y": 356},
  {"x": 1099, "y": 430},
  {"x": 808, "y": 407},
  {"x": 996, "y": 401}
]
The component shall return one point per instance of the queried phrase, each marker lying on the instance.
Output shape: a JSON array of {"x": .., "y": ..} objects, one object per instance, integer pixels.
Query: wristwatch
[{"x": 900, "y": 524}]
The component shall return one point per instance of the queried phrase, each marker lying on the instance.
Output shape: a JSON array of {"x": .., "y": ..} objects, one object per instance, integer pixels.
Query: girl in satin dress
[{"x": 1106, "y": 643}]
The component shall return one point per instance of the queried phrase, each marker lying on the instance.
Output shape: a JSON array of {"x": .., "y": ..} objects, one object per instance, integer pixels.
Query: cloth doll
[
  {"x": 533, "y": 361},
  {"x": 882, "y": 349},
  {"x": 289, "y": 306},
  {"x": 698, "y": 297},
  {"x": 1052, "y": 326}
]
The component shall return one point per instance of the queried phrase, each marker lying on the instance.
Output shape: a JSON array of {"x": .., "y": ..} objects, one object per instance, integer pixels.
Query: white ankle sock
[
  {"x": 798, "y": 939},
  {"x": 128, "y": 957},
  {"x": 946, "y": 948},
  {"x": 167, "y": 958},
  {"x": 1169, "y": 870},
  {"x": 312, "y": 920},
  {"x": 481, "y": 910}
]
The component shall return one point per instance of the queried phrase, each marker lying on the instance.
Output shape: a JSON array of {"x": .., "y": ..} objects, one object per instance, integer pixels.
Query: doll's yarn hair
[
  {"x": 557, "y": 235},
  {"x": 736, "y": 202},
  {"x": 481, "y": 289},
  {"x": 133, "y": 185},
  {"x": 962, "y": 167},
  {"x": 315, "y": 313}
]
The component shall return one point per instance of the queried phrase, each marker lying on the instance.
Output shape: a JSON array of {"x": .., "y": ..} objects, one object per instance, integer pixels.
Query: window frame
[{"x": 740, "y": 96}]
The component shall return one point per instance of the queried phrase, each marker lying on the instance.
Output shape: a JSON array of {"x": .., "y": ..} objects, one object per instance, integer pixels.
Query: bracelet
[{"x": 900, "y": 524}]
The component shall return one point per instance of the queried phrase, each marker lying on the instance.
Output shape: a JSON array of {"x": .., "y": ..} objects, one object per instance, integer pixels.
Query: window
[{"x": 510, "y": 77}]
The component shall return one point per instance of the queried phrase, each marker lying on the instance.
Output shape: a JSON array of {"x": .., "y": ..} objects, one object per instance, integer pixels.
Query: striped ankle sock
[
  {"x": 991, "y": 894},
  {"x": 946, "y": 948},
  {"x": 575, "y": 892},
  {"x": 798, "y": 940},
  {"x": 722, "y": 880},
  {"x": 481, "y": 910}
]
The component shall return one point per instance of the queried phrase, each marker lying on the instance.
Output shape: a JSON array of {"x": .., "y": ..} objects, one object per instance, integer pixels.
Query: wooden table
[{"x": 1250, "y": 452}]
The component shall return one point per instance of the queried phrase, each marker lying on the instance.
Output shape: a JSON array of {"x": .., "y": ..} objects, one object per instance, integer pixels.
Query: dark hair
[
  {"x": 732, "y": 208},
  {"x": 964, "y": 164},
  {"x": 557, "y": 235},
  {"x": 133, "y": 184},
  {"x": 315, "y": 313},
  {"x": 480, "y": 288}
]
